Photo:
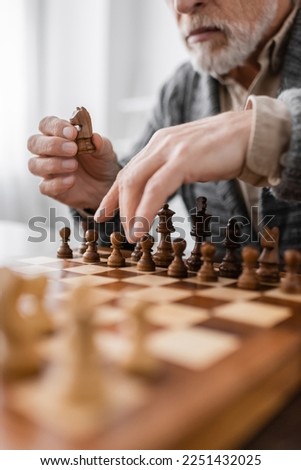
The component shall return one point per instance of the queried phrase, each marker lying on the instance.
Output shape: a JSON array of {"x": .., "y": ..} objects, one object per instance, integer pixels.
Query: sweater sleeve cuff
[{"x": 269, "y": 141}]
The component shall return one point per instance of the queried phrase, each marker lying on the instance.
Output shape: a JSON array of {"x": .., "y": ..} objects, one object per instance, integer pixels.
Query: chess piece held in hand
[{"x": 82, "y": 121}]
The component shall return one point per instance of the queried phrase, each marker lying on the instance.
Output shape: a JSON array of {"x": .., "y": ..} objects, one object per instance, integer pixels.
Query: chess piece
[
  {"x": 116, "y": 259},
  {"x": 206, "y": 272},
  {"x": 200, "y": 231},
  {"x": 83, "y": 246},
  {"x": 82, "y": 120},
  {"x": 268, "y": 271},
  {"x": 178, "y": 268},
  {"x": 139, "y": 361},
  {"x": 64, "y": 251},
  {"x": 40, "y": 318},
  {"x": 146, "y": 262},
  {"x": 230, "y": 266},
  {"x": 164, "y": 254},
  {"x": 20, "y": 356},
  {"x": 81, "y": 381},
  {"x": 248, "y": 278},
  {"x": 291, "y": 283},
  {"x": 137, "y": 253},
  {"x": 91, "y": 255}
]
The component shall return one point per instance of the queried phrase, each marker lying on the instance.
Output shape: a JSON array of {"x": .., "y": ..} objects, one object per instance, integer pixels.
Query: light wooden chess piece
[
  {"x": 146, "y": 262},
  {"x": 20, "y": 357},
  {"x": 291, "y": 282},
  {"x": 206, "y": 272},
  {"x": 81, "y": 382},
  {"x": 178, "y": 268},
  {"x": 116, "y": 259},
  {"x": 248, "y": 278},
  {"x": 139, "y": 360},
  {"x": 64, "y": 251},
  {"x": 40, "y": 317},
  {"x": 91, "y": 254}
]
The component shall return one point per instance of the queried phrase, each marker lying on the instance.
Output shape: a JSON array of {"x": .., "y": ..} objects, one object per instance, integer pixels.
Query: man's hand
[
  {"x": 78, "y": 181},
  {"x": 207, "y": 150}
]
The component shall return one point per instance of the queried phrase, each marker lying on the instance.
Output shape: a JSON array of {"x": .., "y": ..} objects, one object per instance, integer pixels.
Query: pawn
[
  {"x": 291, "y": 283},
  {"x": 178, "y": 268},
  {"x": 248, "y": 278},
  {"x": 91, "y": 255},
  {"x": 146, "y": 262},
  {"x": 137, "y": 253},
  {"x": 116, "y": 260},
  {"x": 206, "y": 272},
  {"x": 64, "y": 251},
  {"x": 83, "y": 246}
]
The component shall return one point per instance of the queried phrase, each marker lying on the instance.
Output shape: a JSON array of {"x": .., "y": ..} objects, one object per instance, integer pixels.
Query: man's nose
[{"x": 187, "y": 6}]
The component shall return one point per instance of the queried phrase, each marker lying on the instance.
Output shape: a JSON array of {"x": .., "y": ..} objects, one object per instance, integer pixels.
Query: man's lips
[{"x": 201, "y": 34}]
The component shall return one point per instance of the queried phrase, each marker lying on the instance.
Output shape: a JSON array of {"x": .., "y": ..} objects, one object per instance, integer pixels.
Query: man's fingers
[
  {"x": 47, "y": 166},
  {"x": 57, "y": 186},
  {"x": 156, "y": 192},
  {"x": 41, "y": 145},
  {"x": 108, "y": 205},
  {"x": 54, "y": 126}
]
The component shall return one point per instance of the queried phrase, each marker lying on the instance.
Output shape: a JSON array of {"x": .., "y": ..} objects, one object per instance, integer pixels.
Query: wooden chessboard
[{"x": 230, "y": 361}]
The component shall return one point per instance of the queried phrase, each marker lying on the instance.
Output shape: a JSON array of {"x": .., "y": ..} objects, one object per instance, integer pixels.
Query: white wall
[{"x": 101, "y": 54}]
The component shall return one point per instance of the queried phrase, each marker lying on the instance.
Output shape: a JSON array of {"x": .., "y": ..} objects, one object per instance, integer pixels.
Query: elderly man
[{"x": 227, "y": 126}]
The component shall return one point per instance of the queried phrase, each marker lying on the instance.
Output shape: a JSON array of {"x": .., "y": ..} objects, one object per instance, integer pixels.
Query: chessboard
[{"x": 225, "y": 360}]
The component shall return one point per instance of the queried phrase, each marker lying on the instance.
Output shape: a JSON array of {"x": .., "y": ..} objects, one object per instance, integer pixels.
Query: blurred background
[{"x": 110, "y": 56}]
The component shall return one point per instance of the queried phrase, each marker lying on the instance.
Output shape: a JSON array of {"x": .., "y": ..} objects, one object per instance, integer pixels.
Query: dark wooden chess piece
[
  {"x": 230, "y": 266},
  {"x": 207, "y": 272},
  {"x": 82, "y": 120},
  {"x": 177, "y": 267},
  {"x": 268, "y": 271},
  {"x": 91, "y": 255},
  {"x": 164, "y": 254},
  {"x": 200, "y": 231},
  {"x": 64, "y": 250},
  {"x": 116, "y": 259},
  {"x": 248, "y": 278},
  {"x": 83, "y": 246},
  {"x": 146, "y": 262},
  {"x": 137, "y": 253},
  {"x": 291, "y": 282}
]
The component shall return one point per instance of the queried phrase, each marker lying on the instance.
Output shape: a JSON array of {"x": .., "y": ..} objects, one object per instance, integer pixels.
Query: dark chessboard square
[
  {"x": 203, "y": 302},
  {"x": 118, "y": 274}
]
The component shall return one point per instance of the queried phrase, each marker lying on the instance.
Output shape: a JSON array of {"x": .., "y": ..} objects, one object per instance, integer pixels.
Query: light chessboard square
[
  {"x": 253, "y": 313},
  {"x": 35, "y": 270},
  {"x": 176, "y": 315},
  {"x": 89, "y": 280},
  {"x": 89, "y": 269},
  {"x": 159, "y": 294},
  {"x": 152, "y": 281},
  {"x": 228, "y": 293},
  {"x": 278, "y": 294},
  {"x": 39, "y": 260},
  {"x": 192, "y": 348}
]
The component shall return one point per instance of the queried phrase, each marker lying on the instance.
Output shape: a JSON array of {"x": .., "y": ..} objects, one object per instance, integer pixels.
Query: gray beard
[{"x": 242, "y": 42}]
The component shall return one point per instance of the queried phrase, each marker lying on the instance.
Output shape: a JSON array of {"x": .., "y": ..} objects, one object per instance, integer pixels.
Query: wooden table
[{"x": 280, "y": 431}]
